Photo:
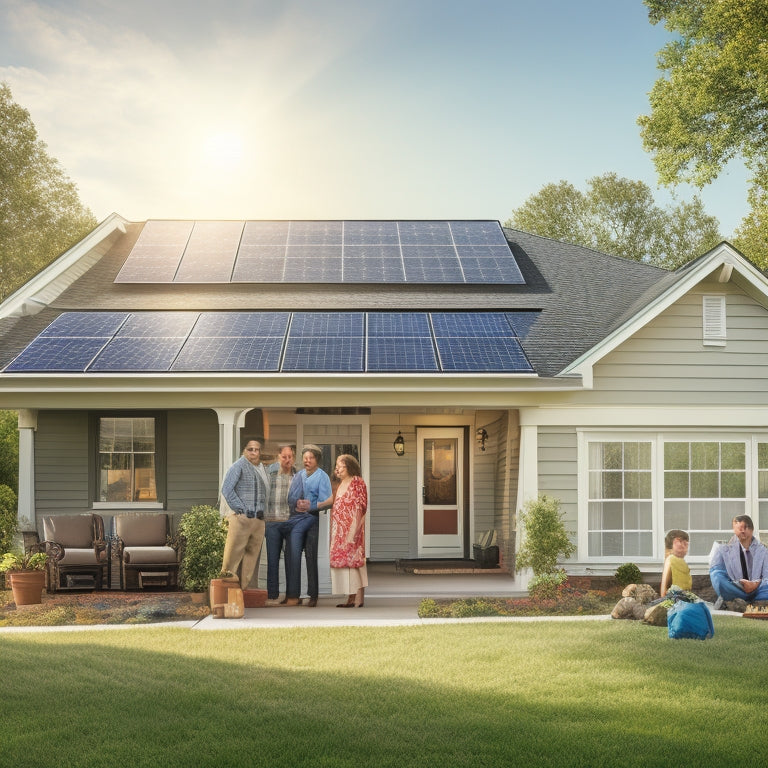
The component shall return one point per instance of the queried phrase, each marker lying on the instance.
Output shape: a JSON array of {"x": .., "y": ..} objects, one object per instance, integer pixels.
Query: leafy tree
[
  {"x": 545, "y": 536},
  {"x": 40, "y": 212},
  {"x": 8, "y": 518},
  {"x": 9, "y": 449},
  {"x": 712, "y": 104},
  {"x": 619, "y": 216}
]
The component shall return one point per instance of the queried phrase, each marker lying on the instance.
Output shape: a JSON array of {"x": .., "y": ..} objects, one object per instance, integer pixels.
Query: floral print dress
[{"x": 348, "y": 557}]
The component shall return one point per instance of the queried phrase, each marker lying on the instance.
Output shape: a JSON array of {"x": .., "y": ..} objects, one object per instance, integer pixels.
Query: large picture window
[
  {"x": 635, "y": 490},
  {"x": 126, "y": 463}
]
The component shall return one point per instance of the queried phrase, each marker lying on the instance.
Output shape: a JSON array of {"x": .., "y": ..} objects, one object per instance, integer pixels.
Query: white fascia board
[
  {"x": 29, "y": 299},
  {"x": 723, "y": 255}
]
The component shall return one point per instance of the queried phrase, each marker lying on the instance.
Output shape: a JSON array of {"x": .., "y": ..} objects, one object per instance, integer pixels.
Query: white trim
[{"x": 27, "y": 299}]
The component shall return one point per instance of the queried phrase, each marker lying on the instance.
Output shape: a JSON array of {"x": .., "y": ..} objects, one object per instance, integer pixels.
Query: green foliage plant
[
  {"x": 628, "y": 573},
  {"x": 23, "y": 561},
  {"x": 545, "y": 538},
  {"x": 9, "y": 449},
  {"x": 8, "y": 517},
  {"x": 546, "y": 586},
  {"x": 203, "y": 535}
]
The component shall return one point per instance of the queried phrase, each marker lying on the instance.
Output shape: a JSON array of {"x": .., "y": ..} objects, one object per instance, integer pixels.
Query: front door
[{"x": 441, "y": 492}]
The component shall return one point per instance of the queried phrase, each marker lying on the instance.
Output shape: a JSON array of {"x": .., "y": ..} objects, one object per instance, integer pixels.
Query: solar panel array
[
  {"x": 289, "y": 342},
  {"x": 330, "y": 252}
]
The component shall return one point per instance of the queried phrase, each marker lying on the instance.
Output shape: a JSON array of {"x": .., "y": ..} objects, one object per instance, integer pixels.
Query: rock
[
  {"x": 628, "y": 608},
  {"x": 738, "y": 605},
  {"x": 643, "y": 593},
  {"x": 656, "y": 615}
]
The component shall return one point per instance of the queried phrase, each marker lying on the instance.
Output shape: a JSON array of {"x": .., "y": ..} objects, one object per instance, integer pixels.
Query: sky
[{"x": 339, "y": 109}]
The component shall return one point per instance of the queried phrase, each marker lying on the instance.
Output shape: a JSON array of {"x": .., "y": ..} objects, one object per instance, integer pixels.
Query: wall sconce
[
  {"x": 481, "y": 436},
  {"x": 399, "y": 444}
]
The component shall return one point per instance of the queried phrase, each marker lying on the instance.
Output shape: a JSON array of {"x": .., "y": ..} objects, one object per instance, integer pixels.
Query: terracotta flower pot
[{"x": 27, "y": 586}]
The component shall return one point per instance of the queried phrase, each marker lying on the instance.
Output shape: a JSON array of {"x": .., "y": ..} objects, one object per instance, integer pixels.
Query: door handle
[{"x": 423, "y": 492}]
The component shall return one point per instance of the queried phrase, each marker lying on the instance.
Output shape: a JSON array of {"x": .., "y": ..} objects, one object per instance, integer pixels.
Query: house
[{"x": 502, "y": 364}]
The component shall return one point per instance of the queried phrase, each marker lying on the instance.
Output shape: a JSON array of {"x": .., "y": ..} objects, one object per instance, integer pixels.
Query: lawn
[{"x": 567, "y": 693}]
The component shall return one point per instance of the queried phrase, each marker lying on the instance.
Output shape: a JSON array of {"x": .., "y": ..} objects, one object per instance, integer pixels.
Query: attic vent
[{"x": 714, "y": 320}]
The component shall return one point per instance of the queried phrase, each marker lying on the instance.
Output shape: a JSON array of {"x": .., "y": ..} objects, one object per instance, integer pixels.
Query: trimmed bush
[{"x": 628, "y": 573}]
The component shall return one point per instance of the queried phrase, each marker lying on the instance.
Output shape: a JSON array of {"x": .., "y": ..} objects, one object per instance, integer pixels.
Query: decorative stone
[
  {"x": 628, "y": 608},
  {"x": 643, "y": 593},
  {"x": 656, "y": 615}
]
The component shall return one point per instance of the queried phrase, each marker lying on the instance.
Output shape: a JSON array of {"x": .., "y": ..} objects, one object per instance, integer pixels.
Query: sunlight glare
[{"x": 223, "y": 150}]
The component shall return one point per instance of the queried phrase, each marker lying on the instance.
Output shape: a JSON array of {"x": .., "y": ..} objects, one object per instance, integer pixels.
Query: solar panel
[
  {"x": 206, "y": 353},
  {"x": 523, "y": 322},
  {"x": 340, "y": 354},
  {"x": 138, "y": 354},
  {"x": 470, "y": 342},
  {"x": 253, "y": 252},
  {"x": 60, "y": 355}
]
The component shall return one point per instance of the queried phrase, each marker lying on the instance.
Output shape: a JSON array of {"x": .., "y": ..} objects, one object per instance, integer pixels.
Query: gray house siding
[
  {"x": 192, "y": 460},
  {"x": 61, "y": 463},
  {"x": 558, "y": 471}
]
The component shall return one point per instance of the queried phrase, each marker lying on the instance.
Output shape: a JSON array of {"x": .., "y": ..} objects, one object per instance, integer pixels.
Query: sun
[{"x": 223, "y": 150}]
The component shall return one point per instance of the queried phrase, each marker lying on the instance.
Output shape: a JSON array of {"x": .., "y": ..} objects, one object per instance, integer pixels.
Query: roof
[{"x": 565, "y": 300}]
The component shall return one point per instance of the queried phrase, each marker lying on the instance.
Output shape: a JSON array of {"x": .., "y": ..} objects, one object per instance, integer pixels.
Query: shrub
[
  {"x": 628, "y": 573},
  {"x": 545, "y": 536},
  {"x": 8, "y": 517},
  {"x": 546, "y": 586},
  {"x": 204, "y": 536}
]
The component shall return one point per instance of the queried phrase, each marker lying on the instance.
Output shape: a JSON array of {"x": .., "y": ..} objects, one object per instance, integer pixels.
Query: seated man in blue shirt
[{"x": 739, "y": 569}]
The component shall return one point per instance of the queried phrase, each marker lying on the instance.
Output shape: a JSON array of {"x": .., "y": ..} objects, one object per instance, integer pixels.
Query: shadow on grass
[{"x": 608, "y": 693}]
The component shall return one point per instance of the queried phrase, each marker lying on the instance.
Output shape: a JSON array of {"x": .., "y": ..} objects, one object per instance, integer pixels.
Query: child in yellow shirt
[{"x": 676, "y": 570}]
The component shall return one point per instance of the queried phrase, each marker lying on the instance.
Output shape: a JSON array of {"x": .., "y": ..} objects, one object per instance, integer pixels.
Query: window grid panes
[
  {"x": 620, "y": 520},
  {"x": 127, "y": 460},
  {"x": 762, "y": 480},
  {"x": 704, "y": 489}
]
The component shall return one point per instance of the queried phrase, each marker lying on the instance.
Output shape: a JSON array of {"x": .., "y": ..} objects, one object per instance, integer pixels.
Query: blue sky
[{"x": 338, "y": 108}]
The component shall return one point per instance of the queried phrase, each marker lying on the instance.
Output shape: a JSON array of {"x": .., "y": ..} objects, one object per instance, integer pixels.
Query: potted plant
[
  {"x": 203, "y": 536},
  {"x": 27, "y": 575}
]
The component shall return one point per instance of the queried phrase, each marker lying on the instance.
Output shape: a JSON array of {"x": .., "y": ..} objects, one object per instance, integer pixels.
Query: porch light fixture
[
  {"x": 399, "y": 444},
  {"x": 481, "y": 436}
]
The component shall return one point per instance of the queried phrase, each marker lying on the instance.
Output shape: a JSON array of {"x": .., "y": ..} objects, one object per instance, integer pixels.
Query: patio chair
[
  {"x": 78, "y": 555},
  {"x": 147, "y": 554}
]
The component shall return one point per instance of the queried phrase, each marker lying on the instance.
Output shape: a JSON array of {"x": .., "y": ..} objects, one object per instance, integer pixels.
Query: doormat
[{"x": 434, "y": 567}]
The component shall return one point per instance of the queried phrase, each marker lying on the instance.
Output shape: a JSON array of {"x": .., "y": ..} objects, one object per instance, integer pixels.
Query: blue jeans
[
  {"x": 276, "y": 534},
  {"x": 304, "y": 532},
  {"x": 725, "y": 588}
]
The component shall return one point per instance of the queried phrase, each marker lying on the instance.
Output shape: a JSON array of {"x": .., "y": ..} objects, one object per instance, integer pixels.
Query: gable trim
[{"x": 51, "y": 281}]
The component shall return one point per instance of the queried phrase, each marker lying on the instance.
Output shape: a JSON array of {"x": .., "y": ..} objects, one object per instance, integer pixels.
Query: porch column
[
  {"x": 229, "y": 422},
  {"x": 528, "y": 487},
  {"x": 26, "y": 506}
]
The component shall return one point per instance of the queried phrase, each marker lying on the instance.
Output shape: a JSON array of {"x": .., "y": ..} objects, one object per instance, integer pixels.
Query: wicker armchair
[
  {"x": 147, "y": 554},
  {"x": 78, "y": 555}
]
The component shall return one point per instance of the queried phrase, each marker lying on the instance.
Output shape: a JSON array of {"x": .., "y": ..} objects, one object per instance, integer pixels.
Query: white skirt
[{"x": 346, "y": 581}]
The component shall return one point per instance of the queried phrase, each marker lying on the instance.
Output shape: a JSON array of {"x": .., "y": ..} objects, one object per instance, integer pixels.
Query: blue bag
[{"x": 690, "y": 620}]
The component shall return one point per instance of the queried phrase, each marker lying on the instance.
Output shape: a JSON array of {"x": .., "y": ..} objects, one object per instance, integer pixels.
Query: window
[
  {"x": 127, "y": 464},
  {"x": 632, "y": 491},
  {"x": 620, "y": 518},
  {"x": 704, "y": 489}
]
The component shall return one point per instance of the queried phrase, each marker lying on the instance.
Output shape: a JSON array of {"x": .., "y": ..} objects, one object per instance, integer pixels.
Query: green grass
[{"x": 588, "y": 693}]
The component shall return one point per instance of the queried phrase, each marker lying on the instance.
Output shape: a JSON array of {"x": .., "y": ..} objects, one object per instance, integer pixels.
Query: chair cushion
[
  {"x": 142, "y": 530},
  {"x": 75, "y": 556},
  {"x": 69, "y": 530},
  {"x": 149, "y": 555}
]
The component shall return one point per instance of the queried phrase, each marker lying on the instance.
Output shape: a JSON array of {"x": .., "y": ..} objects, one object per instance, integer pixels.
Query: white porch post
[
  {"x": 528, "y": 487},
  {"x": 229, "y": 419},
  {"x": 26, "y": 506}
]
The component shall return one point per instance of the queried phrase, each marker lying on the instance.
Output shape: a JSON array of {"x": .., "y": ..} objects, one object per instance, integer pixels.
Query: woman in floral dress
[{"x": 349, "y": 575}]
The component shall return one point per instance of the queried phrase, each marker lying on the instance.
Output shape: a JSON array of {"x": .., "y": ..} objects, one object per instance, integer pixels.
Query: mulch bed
[{"x": 101, "y": 607}]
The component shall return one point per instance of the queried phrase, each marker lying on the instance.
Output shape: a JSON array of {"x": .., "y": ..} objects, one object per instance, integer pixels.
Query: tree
[
  {"x": 9, "y": 449},
  {"x": 40, "y": 212},
  {"x": 619, "y": 216},
  {"x": 712, "y": 104}
]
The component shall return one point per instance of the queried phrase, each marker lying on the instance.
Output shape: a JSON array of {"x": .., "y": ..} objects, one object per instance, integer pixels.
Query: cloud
[{"x": 127, "y": 110}]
